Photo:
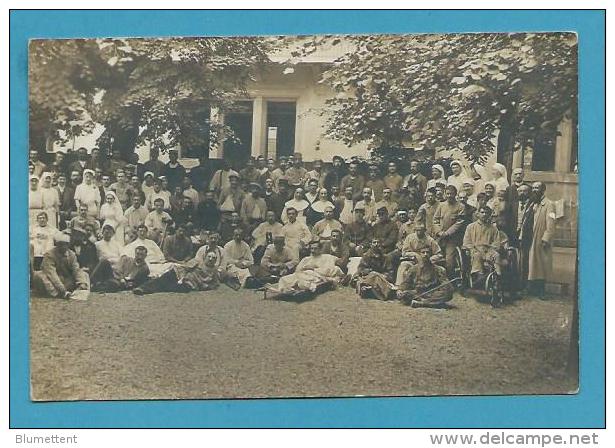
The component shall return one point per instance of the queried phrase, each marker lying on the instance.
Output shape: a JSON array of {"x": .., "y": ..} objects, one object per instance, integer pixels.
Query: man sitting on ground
[
  {"x": 238, "y": 258},
  {"x": 372, "y": 280},
  {"x": 60, "y": 274},
  {"x": 338, "y": 247},
  {"x": 426, "y": 284},
  {"x": 277, "y": 261},
  {"x": 126, "y": 274},
  {"x": 263, "y": 235},
  {"x": 177, "y": 248},
  {"x": 157, "y": 221}
]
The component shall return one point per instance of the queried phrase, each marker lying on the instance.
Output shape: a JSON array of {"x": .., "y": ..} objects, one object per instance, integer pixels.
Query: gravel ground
[{"x": 235, "y": 344}]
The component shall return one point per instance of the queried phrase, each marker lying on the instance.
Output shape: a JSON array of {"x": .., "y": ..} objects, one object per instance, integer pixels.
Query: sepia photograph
[{"x": 374, "y": 215}]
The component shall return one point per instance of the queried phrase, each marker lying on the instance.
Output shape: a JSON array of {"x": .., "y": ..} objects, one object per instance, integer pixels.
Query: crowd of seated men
[{"x": 108, "y": 225}]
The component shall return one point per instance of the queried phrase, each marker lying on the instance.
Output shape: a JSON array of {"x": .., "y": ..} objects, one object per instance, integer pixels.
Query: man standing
[
  {"x": 39, "y": 167},
  {"x": 121, "y": 187},
  {"x": 427, "y": 211},
  {"x": 449, "y": 223},
  {"x": 173, "y": 170},
  {"x": 345, "y": 207},
  {"x": 296, "y": 232},
  {"x": 253, "y": 207},
  {"x": 355, "y": 180},
  {"x": 153, "y": 164},
  {"x": 297, "y": 173},
  {"x": 369, "y": 205},
  {"x": 387, "y": 201},
  {"x": 393, "y": 180},
  {"x": 375, "y": 182},
  {"x": 66, "y": 193},
  {"x": 82, "y": 162},
  {"x": 135, "y": 216},
  {"x": 250, "y": 173},
  {"x": 541, "y": 255},
  {"x": 416, "y": 178},
  {"x": 525, "y": 227},
  {"x": 200, "y": 174},
  {"x": 208, "y": 213}
]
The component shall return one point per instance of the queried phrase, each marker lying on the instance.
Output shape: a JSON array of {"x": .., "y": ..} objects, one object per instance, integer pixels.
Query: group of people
[{"x": 105, "y": 224}]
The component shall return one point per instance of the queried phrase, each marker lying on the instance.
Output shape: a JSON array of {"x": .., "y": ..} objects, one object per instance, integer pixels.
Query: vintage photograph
[{"x": 303, "y": 216}]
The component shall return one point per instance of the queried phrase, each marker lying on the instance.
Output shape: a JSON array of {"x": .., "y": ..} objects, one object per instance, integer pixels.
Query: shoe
[
  {"x": 416, "y": 304},
  {"x": 138, "y": 291}
]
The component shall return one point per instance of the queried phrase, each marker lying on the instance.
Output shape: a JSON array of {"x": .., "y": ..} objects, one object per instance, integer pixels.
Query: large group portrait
[{"x": 303, "y": 216}]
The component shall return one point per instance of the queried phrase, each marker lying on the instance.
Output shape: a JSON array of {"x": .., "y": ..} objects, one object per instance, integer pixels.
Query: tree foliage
[
  {"x": 158, "y": 87},
  {"x": 448, "y": 91}
]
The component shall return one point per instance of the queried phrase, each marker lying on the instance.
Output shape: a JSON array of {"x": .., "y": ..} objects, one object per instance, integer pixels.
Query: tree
[
  {"x": 139, "y": 89},
  {"x": 449, "y": 91}
]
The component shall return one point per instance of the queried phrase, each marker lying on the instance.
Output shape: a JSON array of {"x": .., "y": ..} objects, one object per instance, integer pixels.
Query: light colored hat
[
  {"x": 61, "y": 237},
  {"x": 88, "y": 171},
  {"x": 469, "y": 181},
  {"x": 148, "y": 173}
]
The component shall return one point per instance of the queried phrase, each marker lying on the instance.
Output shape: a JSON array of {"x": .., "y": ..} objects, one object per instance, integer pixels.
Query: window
[
  {"x": 281, "y": 120},
  {"x": 237, "y": 150},
  {"x": 543, "y": 153}
]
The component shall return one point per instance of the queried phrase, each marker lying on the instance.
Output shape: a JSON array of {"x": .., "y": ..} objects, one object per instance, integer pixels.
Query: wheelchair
[{"x": 497, "y": 289}]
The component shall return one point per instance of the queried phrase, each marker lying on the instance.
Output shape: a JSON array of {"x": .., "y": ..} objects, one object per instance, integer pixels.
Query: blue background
[{"x": 585, "y": 409}]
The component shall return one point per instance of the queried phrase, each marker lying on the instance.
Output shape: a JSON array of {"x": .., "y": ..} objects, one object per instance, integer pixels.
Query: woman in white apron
[
  {"x": 111, "y": 214},
  {"x": 35, "y": 200},
  {"x": 88, "y": 193},
  {"x": 51, "y": 199}
]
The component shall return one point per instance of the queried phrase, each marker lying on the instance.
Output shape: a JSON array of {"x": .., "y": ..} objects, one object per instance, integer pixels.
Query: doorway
[
  {"x": 281, "y": 116},
  {"x": 237, "y": 150}
]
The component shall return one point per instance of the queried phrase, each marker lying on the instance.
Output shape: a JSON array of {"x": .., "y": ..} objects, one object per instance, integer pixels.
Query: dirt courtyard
[{"x": 235, "y": 344}]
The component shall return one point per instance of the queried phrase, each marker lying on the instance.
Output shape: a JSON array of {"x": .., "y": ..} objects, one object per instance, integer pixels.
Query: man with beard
[
  {"x": 355, "y": 180},
  {"x": 177, "y": 248},
  {"x": 173, "y": 170},
  {"x": 264, "y": 234},
  {"x": 344, "y": 207},
  {"x": 416, "y": 178},
  {"x": 448, "y": 225},
  {"x": 275, "y": 201},
  {"x": 238, "y": 258},
  {"x": 333, "y": 176},
  {"x": 426, "y": 284},
  {"x": 541, "y": 251},
  {"x": 60, "y": 274},
  {"x": 208, "y": 215},
  {"x": 230, "y": 198}
]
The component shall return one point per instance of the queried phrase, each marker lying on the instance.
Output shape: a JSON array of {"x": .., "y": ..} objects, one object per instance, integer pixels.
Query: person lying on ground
[{"x": 315, "y": 273}]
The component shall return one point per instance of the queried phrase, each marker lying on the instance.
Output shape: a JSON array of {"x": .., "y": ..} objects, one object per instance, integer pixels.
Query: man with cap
[
  {"x": 410, "y": 248},
  {"x": 250, "y": 173},
  {"x": 344, "y": 207},
  {"x": 83, "y": 247},
  {"x": 190, "y": 192},
  {"x": 358, "y": 233},
  {"x": 316, "y": 173},
  {"x": 173, "y": 170},
  {"x": 231, "y": 198},
  {"x": 426, "y": 284},
  {"x": 280, "y": 171},
  {"x": 60, "y": 274},
  {"x": 468, "y": 188},
  {"x": 253, "y": 207},
  {"x": 147, "y": 186},
  {"x": 221, "y": 179},
  {"x": 385, "y": 230}
]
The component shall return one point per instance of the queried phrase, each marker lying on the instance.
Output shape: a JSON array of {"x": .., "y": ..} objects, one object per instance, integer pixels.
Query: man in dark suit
[{"x": 524, "y": 214}]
